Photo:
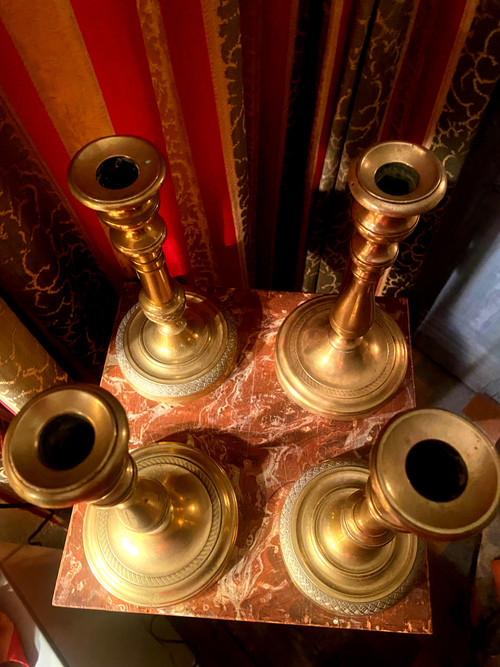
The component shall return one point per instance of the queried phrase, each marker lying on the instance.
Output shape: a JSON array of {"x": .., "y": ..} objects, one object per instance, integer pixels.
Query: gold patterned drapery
[{"x": 419, "y": 71}]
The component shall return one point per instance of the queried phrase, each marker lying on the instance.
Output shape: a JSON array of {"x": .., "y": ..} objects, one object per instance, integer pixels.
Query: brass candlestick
[
  {"x": 173, "y": 344},
  {"x": 349, "y": 534},
  {"x": 162, "y": 521},
  {"x": 343, "y": 356}
]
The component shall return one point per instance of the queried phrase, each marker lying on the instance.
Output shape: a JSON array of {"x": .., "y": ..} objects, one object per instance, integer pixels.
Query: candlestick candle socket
[
  {"x": 174, "y": 344},
  {"x": 343, "y": 356},
  {"x": 161, "y": 522},
  {"x": 351, "y": 534}
]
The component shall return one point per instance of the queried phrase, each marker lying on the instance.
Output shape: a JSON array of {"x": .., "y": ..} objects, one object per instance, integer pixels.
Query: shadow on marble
[{"x": 243, "y": 464}]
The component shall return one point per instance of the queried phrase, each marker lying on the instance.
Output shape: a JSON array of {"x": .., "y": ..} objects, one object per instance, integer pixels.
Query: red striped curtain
[
  {"x": 257, "y": 106},
  {"x": 75, "y": 71}
]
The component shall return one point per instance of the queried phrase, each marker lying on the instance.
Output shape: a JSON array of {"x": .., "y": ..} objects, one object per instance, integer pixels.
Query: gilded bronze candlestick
[
  {"x": 350, "y": 535},
  {"x": 343, "y": 356},
  {"x": 174, "y": 344},
  {"x": 161, "y": 522}
]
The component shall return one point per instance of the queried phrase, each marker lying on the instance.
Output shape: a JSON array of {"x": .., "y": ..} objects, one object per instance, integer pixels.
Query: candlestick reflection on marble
[
  {"x": 343, "y": 356},
  {"x": 350, "y": 535},
  {"x": 162, "y": 521},
  {"x": 174, "y": 344}
]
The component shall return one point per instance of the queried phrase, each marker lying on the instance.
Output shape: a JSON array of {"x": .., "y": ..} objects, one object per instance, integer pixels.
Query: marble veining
[{"x": 265, "y": 443}]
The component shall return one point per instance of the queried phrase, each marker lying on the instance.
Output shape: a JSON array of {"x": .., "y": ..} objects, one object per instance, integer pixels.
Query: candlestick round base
[
  {"x": 188, "y": 555},
  {"x": 332, "y": 382},
  {"x": 180, "y": 366},
  {"x": 329, "y": 570}
]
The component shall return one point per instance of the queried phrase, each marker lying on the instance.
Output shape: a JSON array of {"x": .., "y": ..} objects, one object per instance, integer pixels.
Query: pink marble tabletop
[{"x": 265, "y": 443}]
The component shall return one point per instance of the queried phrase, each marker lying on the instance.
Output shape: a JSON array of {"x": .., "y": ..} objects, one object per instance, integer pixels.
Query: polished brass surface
[
  {"x": 161, "y": 523},
  {"x": 189, "y": 554},
  {"x": 435, "y": 493},
  {"x": 331, "y": 379},
  {"x": 177, "y": 344},
  {"x": 342, "y": 356},
  {"x": 350, "y": 536}
]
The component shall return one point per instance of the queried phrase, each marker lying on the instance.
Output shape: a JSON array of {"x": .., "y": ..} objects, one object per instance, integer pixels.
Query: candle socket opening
[
  {"x": 436, "y": 470},
  {"x": 117, "y": 172},
  {"x": 65, "y": 441},
  {"x": 396, "y": 178}
]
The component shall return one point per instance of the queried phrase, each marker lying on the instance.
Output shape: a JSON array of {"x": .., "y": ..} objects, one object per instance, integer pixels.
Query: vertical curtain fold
[
  {"x": 300, "y": 108},
  {"x": 222, "y": 27},
  {"x": 46, "y": 266},
  {"x": 476, "y": 73},
  {"x": 278, "y": 28},
  {"x": 415, "y": 70},
  {"x": 377, "y": 40},
  {"x": 187, "y": 192}
]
